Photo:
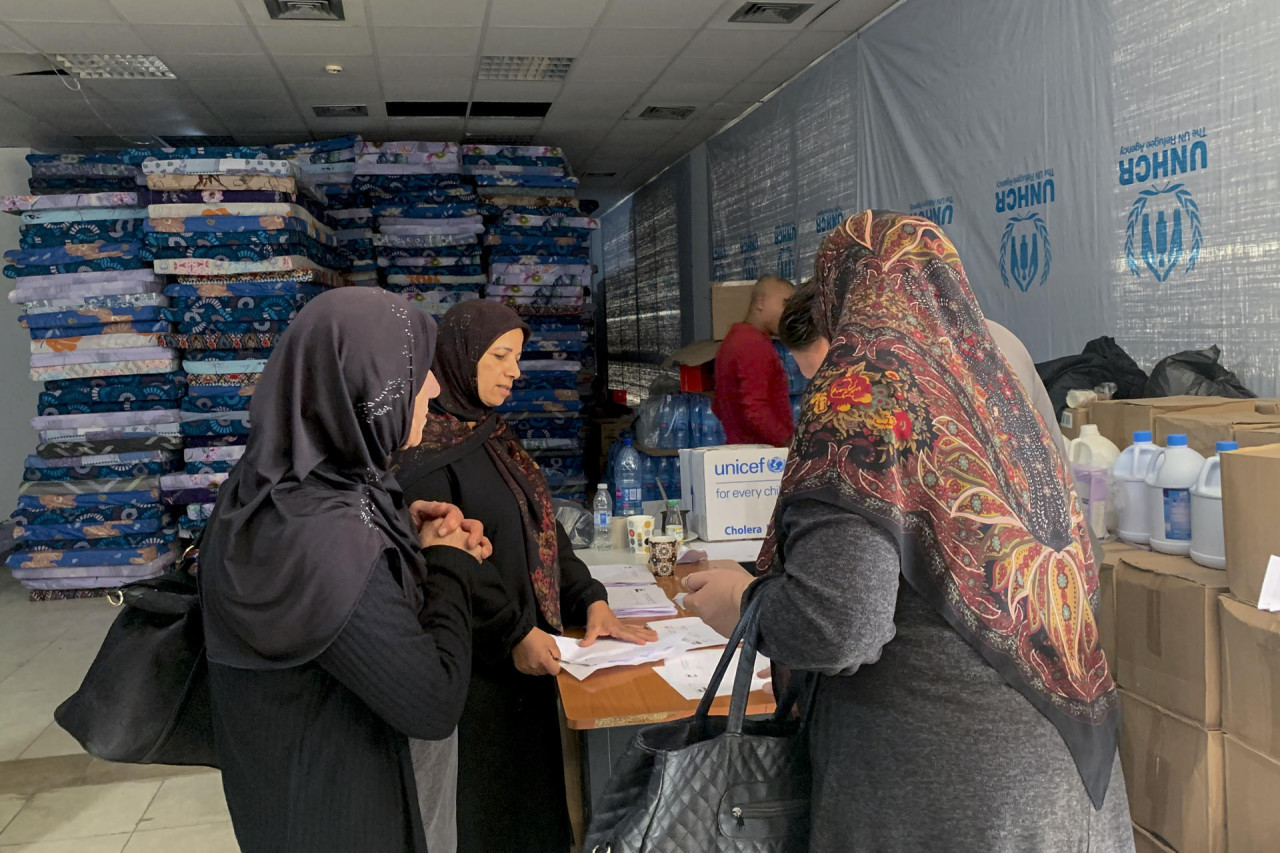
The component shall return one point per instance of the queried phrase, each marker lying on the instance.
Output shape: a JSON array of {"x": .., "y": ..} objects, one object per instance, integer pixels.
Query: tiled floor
[{"x": 53, "y": 798}]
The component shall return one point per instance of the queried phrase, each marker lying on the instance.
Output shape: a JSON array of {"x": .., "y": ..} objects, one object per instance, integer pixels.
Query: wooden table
[{"x": 602, "y": 712}]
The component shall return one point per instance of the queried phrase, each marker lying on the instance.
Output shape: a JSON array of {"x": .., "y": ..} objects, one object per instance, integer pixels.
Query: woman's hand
[
  {"x": 716, "y": 596},
  {"x": 537, "y": 654},
  {"x": 450, "y": 516},
  {"x": 441, "y": 523},
  {"x": 603, "y": 622}
]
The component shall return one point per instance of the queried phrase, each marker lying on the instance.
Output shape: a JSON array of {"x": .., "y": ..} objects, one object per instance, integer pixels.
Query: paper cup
[{"x": 639, "y": 530}]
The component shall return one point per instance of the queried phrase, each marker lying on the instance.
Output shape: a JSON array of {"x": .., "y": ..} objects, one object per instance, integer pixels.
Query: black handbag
[
  {"x": 705, "y": 783},
  {"x": 145, "y": 698}
]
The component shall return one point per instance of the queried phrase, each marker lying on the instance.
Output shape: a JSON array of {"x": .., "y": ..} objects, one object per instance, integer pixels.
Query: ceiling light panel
[
  {"x": 115, "y": 66},
  {"x": 525, "y": 68}
]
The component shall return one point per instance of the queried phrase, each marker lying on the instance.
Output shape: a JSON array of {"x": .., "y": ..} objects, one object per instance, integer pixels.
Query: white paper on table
[
  {"x": 690, "y": 674},
  {"x": 580, "y": 671},
  {"x": 622, "y": 574},
  {"x": 607, "y": 652},
  {"x": 691, "y": 631},
  {"x": 648, "y": 600},
  {"x": 678, "y": 599},
  {"x": 1269, "y": 597}
]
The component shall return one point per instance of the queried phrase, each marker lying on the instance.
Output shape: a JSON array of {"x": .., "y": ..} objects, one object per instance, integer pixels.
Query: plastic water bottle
[
  {"x": 665, "y": 413},
  {"x": 1173, "y": 472},
  {"x": 1208, "y": 539},
  {"x": 602, "y": 511},
  {"x": 679, "y": 422},
  {"x": 695, "y": 420},
  {"x": 629, "y": 477}
]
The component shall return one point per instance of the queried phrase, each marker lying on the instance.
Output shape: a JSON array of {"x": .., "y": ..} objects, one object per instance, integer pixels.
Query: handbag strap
[{"x": 746, "y": 633}]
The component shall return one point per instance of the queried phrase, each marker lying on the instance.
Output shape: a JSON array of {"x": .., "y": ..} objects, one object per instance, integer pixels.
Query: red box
[{"x": 698, "y": 377}]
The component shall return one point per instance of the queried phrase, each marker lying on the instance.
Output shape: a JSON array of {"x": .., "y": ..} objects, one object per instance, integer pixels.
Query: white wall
[{"x": 17, "y": 392}]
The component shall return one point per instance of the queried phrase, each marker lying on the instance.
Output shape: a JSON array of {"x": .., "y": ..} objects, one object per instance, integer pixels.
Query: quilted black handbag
[
  {"x": 145, "y": 698},
  {"x": 707, "y": 784}
]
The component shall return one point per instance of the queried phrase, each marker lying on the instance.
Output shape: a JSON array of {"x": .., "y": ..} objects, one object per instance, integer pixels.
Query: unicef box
[{"x": 730, "y": 491}]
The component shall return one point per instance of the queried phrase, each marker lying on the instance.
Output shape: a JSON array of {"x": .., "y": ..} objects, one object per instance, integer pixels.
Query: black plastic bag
[
  {"x": 1103, "y": 360},
  {"x": 1195, "y": 372}
]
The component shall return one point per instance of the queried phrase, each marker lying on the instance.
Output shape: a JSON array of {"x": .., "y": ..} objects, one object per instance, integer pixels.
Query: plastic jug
[
  {"x": 1174, "y": 470},
  {"x": 1129, "y": 488},
  {"x": 1092, "y": 457},
  {"x": 1208, "y": 543}
]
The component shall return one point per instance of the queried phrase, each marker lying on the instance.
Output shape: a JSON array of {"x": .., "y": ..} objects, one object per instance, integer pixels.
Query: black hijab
[
  {"x": 466, "y": 333},
  {"x": 312, "y": 505}
]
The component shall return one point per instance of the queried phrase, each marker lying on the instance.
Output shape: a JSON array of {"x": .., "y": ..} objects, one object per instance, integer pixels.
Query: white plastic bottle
[
  {"x": 602, "y": 511},
  {"x": 1174, "y": 470},
  {"x": 1208, "y": 542},
  {"x": 1092, "y": 456},
  {"x": 1129, "y": 488}
]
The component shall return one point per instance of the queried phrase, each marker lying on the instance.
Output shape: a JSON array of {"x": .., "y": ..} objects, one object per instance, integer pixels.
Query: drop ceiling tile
[
  {"x": 643, "y": 131},
  {"x": 606, "y": 42},
  {"x": 422, "y": 13},
  {"x": 503, "y": 126},
  {"x": 619, "y": 95},
  {"x": 726, "y": 110},
  {"x": 690, "y": 14},
  {"x": 81, "y": 38},
  {"x": 63, "y": 110},
  {"x": 312, "y": 67},
  {"x": 579, "y": 128},
  {"x": 196, "y": 66},
  {"x": 735, "y": 44},
  {"x": 77, "y": 11},
  {"x": 233, "y": 89},
  {"x": 560, "y": 14},
  {"x": 332, "y": 40},
  {"x": 750, "y": 91},
  {"x": 329, "y": 127},
  {"x": 679, "y": 92},
  {"x": 515, "y": 90},
  {"x": 33, "y": 92},
  {"x": 136, "y": 90},
  {"x": 426, "y": 90},
  {"x": 335, "y": 90},
  {"x": 570, "y": 110},
  {"x": 143, "y": 109},
  {"x": 617, "y": 69},
  {"x": 428, "y": 41},
  {"x": 814, "y": 45},
  {"x": 533, "y": 41},
  {"x": 272, "y": 113},
  {"x": 730, "y": 71},
  {"x": 848, "y": 16},
  {"x": 425, "y": 70},
  {"x": 203, "y": 39},
  {"x": 179, "y": 11}
]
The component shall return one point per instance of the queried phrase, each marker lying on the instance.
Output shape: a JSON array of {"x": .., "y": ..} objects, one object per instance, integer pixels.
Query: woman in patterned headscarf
[{"x": 936, "y": 573}]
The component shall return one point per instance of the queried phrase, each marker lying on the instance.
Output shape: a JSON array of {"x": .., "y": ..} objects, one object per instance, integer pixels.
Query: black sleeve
[
  {"x": 411, "y": 669},
  {"x": 578, "y": 590},
  {"x": 504, "y": 614}
]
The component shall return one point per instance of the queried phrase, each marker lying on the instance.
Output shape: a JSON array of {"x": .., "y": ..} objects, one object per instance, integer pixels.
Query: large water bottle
[
  {"x": 712, "y": 430},
  {"x": 666, "y": 411},
  {"x": 602, "y": 511},
  {"x": 679, "y": 422},
  {"x": 695, "y": 419},
  {"x": 629, "y": 479}
]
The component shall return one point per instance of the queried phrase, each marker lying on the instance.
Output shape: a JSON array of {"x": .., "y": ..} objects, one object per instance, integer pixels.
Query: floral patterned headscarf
[{"x": 916, "y": 422}]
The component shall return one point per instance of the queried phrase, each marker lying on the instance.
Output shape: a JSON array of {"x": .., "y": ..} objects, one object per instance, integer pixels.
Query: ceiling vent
[
  {"x": 670, "y": 113},
  {"x": 500, "y": 138},
  {"x": 530, "y": 69},
  {"x": 769, "y": 13},
  {"x": 426, "y": 109},
  {"x": 340, "y": 110},
  {"x": 114, "y": 66},
  {"x": 305, "y": 10}
]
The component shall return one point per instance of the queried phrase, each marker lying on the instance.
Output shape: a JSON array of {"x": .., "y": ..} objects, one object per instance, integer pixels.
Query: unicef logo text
[
  {"x": 1163, "y": 230},
  {"x": 1024, "y": 252}
]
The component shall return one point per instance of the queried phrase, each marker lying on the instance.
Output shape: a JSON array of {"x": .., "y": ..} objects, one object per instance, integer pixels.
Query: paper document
[
  {"x": 639, "y": 601},
  {"x": 581, "y": 662},
  {"x": 691, "y": 631},
  {"x": 621, "y": 574},
  {"x": 741, "y": 551},
  {"x": 690, "y": 673}
]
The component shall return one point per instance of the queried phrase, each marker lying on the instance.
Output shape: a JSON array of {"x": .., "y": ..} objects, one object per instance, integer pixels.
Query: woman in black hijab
[
  {"x": 333, "y": 632},
  {"x": 511, "y": 793}
]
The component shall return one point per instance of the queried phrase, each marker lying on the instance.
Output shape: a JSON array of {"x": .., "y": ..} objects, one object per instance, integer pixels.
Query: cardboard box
[
  {"x": 1167, "y": 634},
  {"x": 1251, "y": 676},
  {"x": 730, "y": 301},
  {"x": 1119, "y": 419},
  {"x": 1267, "y": 405},
  {"x": 1173, "y": 770},
  {"x": 1205, "y": 429},
  {"x": 731, "y": 490},
  {"x": 1071, "y": 421},
  {"x": 1250, "y": 507},
  {"x": 1106, "y": 615},
  {"x": 1257, "y": 436},
  {"x": 1253, "y": 820},
  {"x": 1115, "y": 551},
  {"x": 1145, "y": 842}
]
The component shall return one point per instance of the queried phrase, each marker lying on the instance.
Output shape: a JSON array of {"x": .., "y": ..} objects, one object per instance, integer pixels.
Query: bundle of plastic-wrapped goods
[{"x": 89, "y": 516}]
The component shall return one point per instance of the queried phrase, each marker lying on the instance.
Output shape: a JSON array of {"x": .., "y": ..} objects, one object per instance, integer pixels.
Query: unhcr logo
[
  {"x": 1161, "y": 222},
  {"x": 1024, "y": 252}
]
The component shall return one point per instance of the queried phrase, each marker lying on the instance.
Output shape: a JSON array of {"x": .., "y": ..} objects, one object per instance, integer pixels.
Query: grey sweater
[{"x": 917, "y": 744}]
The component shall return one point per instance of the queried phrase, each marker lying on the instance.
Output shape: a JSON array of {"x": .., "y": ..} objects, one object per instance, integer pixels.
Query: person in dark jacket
[
  {"x": 333, "y": 631},
  {"x": 511, "y": 793}
]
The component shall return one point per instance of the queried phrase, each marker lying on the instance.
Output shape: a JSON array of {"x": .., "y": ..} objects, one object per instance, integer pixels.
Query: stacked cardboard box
[
  {"x": 1168, "y": 665},
  {"x": 1250, "y": 500},
  {"x": 1205, "y": 429},
  {"x": 1119, "y": 419}
]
